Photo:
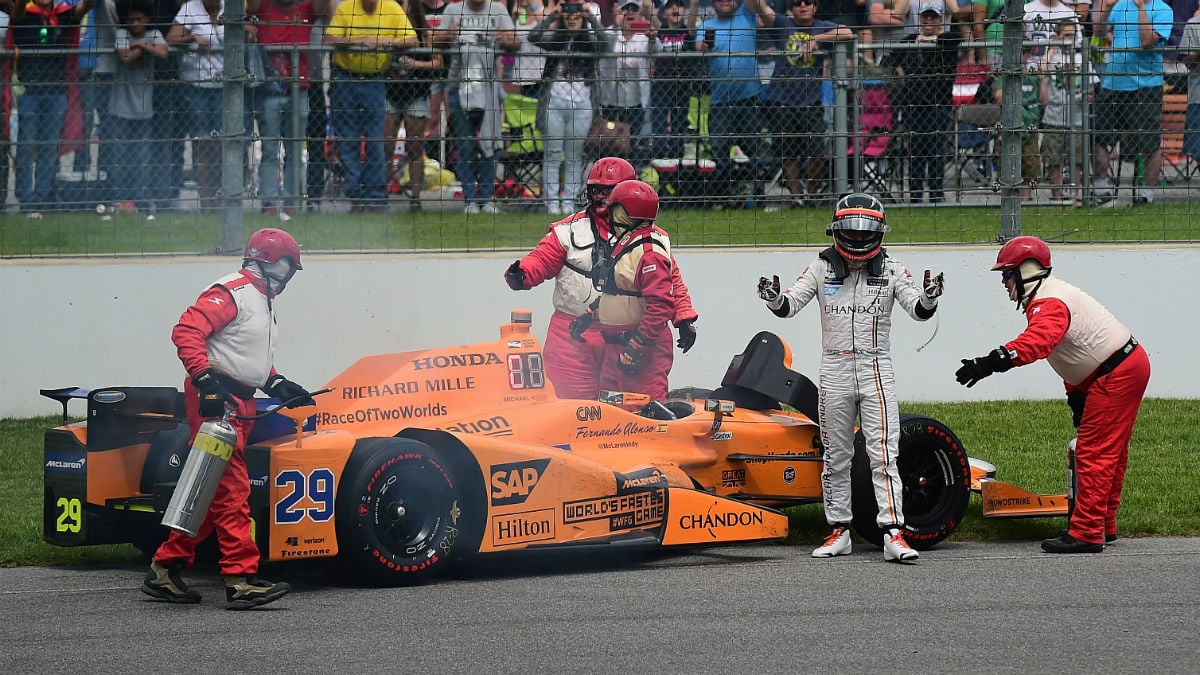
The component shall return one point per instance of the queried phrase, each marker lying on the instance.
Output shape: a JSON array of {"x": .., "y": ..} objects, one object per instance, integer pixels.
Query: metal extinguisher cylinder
[{"x": 206, "y": 462}]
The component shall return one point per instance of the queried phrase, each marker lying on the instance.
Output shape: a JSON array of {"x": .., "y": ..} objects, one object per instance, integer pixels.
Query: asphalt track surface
[{"x": 964, "y": 608}]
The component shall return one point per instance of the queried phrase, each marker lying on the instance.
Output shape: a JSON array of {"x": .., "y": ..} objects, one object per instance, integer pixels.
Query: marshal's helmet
[
  {"x": 1023, "y": 260},
  {"x": 633, "y": 203},
  {"x": 275, "y": 254},
  {"x": 605, "y": 174},
  {"x": 858, "y": 226}
]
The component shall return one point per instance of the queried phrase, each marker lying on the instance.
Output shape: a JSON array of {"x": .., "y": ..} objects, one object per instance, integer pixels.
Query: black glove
[
  {"x": 1076, "y": 399},
  {"x": 630, "y": 358},
  {"x": 514, "y": 276},
  {"x": 974, "y": 370},
  {"x": 768, "y": 289},
  {"x": 687, "y": 335},
  {"x": 213, "y": 396},
  {"x": 580, "y": 323},
  {"x": 934, "y": 285},
  {"x": 291, "y": 394}
]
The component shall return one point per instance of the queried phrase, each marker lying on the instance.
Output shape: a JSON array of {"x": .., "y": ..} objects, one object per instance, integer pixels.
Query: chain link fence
[{"x": 745, "y": 147}]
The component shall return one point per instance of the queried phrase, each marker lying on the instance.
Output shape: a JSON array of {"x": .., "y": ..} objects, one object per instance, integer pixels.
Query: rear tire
[
  {"x": 936, "y": 475},
  {"x": 404, "y": 510}
]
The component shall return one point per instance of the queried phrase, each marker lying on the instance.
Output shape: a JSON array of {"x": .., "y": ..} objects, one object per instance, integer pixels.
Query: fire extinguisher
[{"x": 210, "y": 453}]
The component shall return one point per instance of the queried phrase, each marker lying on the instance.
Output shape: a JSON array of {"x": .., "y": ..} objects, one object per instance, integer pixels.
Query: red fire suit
[
  {"x": 643, "y": 301},
  {"x": 231, "y": 329},
  {"x": 1096, "y": 355},
  {"x": 567, "y": 254}
]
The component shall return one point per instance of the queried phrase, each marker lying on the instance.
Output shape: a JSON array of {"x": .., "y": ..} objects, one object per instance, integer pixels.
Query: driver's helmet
[
  {"x": 604, "y": 175},
  {"x": 858, "y": 226}
]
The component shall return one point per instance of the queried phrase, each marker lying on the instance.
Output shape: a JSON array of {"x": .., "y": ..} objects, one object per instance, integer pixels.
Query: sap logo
[
  {"x": 587, "y": 413},
  {"x": 512, "y": 483}
]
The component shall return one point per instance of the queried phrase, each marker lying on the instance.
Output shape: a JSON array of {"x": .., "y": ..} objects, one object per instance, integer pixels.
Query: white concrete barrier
[{"x": 99, "y": 323}]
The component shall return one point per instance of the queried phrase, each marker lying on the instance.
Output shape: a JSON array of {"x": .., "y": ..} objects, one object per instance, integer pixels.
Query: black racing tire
[
  {"x": 405, "y": 510},
  {"x": 936, "y": 475}
]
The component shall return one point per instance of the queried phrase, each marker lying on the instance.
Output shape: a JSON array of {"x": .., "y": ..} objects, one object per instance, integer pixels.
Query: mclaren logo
[
  {"x": 512, "y": 483},
  {"x": 66, "y": 464}
]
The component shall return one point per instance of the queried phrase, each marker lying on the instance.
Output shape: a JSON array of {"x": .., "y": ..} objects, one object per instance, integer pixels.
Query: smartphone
[
  {"x": 639, "y": 26},
  {"x": 710, "y": 37}
]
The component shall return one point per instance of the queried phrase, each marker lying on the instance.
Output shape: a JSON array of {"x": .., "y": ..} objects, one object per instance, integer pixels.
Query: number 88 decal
[{"x": 525, "y": 371}]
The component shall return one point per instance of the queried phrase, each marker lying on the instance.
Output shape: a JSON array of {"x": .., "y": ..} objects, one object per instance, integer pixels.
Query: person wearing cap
[
  {"x": 926, "y": 98},
  {"x": 857, "y": 285},
  {"x": 1104, "y": 369},
  {"x": 794, "y": 109},
  {"x": 226, "y": 341}
]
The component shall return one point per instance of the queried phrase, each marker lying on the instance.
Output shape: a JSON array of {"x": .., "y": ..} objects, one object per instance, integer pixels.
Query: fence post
[
  {"x": 233, "y": 133},
  {"x": 1010, "y": 120},
  {"x": 841, "y": 52}
]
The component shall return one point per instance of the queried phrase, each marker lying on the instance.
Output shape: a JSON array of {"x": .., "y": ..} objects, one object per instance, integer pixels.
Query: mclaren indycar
[{"x": 416, "y": 460}]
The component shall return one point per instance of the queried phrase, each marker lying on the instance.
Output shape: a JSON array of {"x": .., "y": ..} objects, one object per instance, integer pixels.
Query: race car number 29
[{"x": 70, "y": 517}]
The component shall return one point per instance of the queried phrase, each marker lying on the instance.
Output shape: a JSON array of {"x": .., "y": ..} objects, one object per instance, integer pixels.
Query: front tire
[
  {"x": 404, "y": 510},
  {"x": 936, "y": 475}
]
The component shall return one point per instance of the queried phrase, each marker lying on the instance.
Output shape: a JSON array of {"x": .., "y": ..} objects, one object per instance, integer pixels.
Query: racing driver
[
  {"x": 1105, "y": 372},
  {"x": 568, "y": 252},
  {"x": 856, "y": 284},
  {"x": 226, "y": 341}
]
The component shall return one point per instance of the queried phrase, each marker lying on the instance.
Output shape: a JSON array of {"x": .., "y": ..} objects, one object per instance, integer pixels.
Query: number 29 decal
[
  {"x": 70, "y": 515},
  {"x": 316, "y": 485}
]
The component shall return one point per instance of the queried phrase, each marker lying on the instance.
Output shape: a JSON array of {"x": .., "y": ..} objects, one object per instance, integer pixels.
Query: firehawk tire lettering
[
  {"x": 401, "y": 511},
  {"x": 936, "y": 475}
]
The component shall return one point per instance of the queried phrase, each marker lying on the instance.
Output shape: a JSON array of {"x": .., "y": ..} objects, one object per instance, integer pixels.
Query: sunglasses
[
  {"x": 1006, "y": 275},
  {"x": 800, "y": 3}
]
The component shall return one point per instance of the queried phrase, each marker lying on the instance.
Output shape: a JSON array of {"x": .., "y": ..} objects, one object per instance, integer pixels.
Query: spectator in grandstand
[
  {"x": 131, "y": 107},
  {"x": 572, "y": 39},
  {"x": 38, "y": 29},
  {"x": 439, "y": 104},
  {"x": 525, "y": 74},
  {"x": 96, "y": 68},
  {"x": 793, "y": 107},
  {"x": 199, "y": 30},
  {"x": 1041, "y": 22},
  {"x": 986, "y": 26},
  {"x": 891, "y": 21},
  {"x": 674, "y": 80},
  {"x": 1062, "y": 90},
  {"x": 926, "y": 98},
  {"x": 286, "y": 26},
  {"x": 1129, "y": 101},
  {"x": 5, "y": 17},
  {"x": 625, "y": 75},
  {"x": 474, "y": 31},
  {"x": 1189, "y": 46},
  {"x": 733, "y": 119},
  {"x": 1182, "y": 12},
  {"x": 408, "y": 103},
  {"x": 365, "y": 32}
]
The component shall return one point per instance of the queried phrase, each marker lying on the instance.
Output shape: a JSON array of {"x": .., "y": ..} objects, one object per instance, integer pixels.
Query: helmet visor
[{"x": 854, "y": 225}]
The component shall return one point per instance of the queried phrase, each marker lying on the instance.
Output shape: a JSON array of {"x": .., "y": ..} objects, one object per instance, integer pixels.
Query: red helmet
[
  {"x": 270, "y": 245},
  {"x": 609, "y": 171},
  {"x": 638, "y": 202},
  {"x": 1019, "y": 249},
  {"x": 606, "y": 173}
]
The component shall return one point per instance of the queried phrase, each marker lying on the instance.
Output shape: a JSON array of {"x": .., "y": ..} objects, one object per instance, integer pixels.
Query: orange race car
[{"x": 413, "y": 460}]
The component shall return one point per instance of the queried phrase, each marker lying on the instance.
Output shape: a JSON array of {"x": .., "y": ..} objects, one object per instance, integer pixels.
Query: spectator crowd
[{"x": 727, "y": 103}]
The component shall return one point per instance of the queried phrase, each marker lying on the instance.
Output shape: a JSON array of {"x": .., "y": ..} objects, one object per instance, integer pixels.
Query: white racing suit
[{"x": 856, "y": 371}]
